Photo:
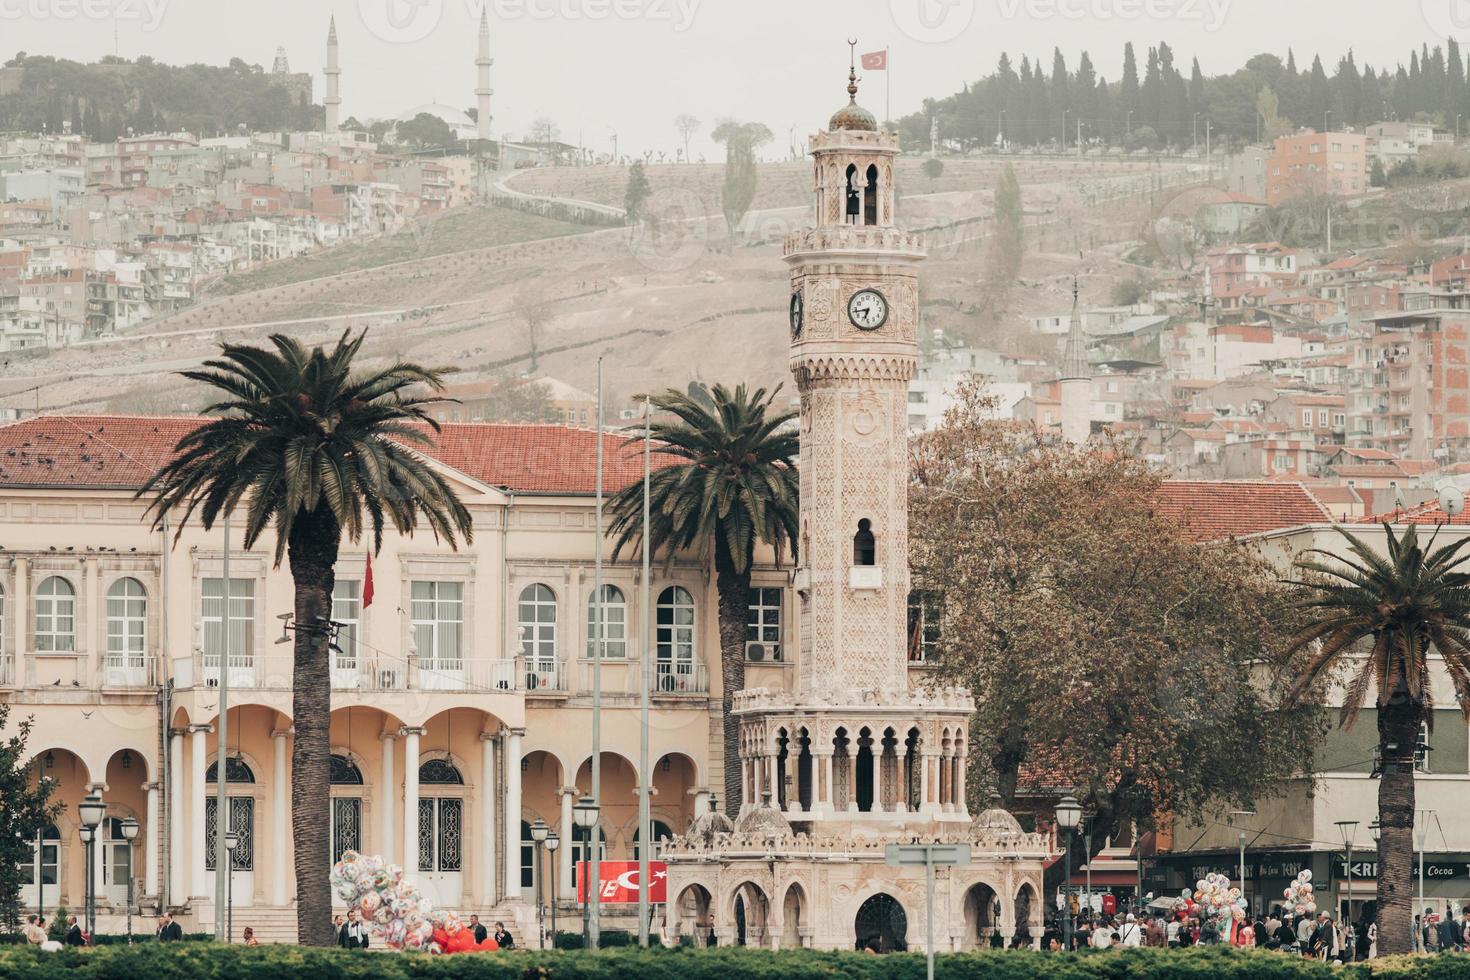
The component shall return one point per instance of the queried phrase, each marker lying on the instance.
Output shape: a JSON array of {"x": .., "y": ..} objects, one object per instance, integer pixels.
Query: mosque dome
[
  {"x": 995, "y": 820},
  {"x": 853, "y": 117},
  {"x": 764, "y": 819}
]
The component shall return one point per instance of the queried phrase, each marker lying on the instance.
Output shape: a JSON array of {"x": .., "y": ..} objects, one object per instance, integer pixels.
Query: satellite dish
[{"x": 1452, "y": 501}]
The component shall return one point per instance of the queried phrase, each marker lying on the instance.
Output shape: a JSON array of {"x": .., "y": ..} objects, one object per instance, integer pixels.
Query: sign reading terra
[{"x": 1433, "y": 870}]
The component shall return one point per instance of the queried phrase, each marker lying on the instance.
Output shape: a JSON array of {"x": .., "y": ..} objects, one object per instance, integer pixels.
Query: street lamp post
[
  {"x": 1349, "y": 828},
  {"x": 553, "y": 841},
  {"x": 87, "y": 833},
  {"x": 1087, "y": 856},
  {"x": 539, "y": 831},
  {"x": 1069, "y": 814},
  {"x": 1240, "y": 838},
  {"x": 1421, "y": 835},
  {"x": 232, "y": 841},
  {"x": 584, "y": 815},
  {"x": 130, "y": 834},
  {"x": 91, "y": 811}
]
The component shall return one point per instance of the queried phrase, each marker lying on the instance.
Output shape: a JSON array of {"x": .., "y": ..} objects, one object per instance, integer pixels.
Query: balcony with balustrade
[{"x": 365, "y": 675}]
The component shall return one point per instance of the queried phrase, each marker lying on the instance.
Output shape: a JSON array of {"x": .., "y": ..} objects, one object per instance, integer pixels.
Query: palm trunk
[
  {"x": 313, "y": 555},
  {"x": 1398, "y": 726},
  {"x": 733, "y": 588}
]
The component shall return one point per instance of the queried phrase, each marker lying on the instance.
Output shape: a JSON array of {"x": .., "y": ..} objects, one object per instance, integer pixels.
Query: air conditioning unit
[{"x": 758, "y": 652}]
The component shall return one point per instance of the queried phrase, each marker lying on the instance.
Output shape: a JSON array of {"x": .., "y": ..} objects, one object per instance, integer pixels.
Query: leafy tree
[
  {"x": 733, "y": 484},
  {"x": 638, "y": 191},
  {"x": 1005, "y": 246},
  {"x": 1394, "y": 606},
  {"x": 933, "y": 169},
  {"x": 1102, "y": 643},
  {"x": 305, "y": 444},
  {"x": 741, "y": 141},
  {"x": 687, "y": 126},
  {"x": 27, "y": 811},
  {"x": 424, "y": 130}
]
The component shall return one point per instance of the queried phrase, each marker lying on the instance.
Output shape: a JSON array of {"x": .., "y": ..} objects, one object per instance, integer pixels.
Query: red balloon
[
  {"x": 442, "y": 938},
  {"x": 489, "y": 945},
  {"x": 462, "y": 941}
]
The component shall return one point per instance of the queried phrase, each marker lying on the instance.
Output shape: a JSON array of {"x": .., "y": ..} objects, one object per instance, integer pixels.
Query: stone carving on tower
[{"x": 859, "y": 750}]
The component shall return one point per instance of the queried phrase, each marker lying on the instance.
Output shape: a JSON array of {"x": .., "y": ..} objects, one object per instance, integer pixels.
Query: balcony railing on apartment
[
  {"x": 129, "y": 673},
  {"x": 675, "y": 677},
  {"x": 367, "y": 674}
]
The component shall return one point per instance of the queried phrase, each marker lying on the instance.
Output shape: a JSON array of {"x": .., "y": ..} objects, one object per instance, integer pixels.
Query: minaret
[
  {"x": 333, "y": 101},
  {"x": 482, "y": 64},
  {"x": 1075, "y": 381}
]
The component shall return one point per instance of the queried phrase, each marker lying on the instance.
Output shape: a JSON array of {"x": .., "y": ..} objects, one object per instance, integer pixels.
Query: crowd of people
[
  {"x": 1307, "y": 935},
  {"x": 354, "y": 933}
]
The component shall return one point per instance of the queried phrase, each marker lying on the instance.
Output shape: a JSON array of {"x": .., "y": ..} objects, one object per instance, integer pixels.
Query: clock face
[
  {"x": 797, "y": 312},
  {"x": 867, "y": 309}
]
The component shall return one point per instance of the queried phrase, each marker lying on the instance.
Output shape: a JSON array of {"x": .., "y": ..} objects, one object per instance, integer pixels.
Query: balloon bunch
[
  {"x": 1213, "y": 898},
  {"x": 395, "y": 911},
  {"x": 1299, "y": 894}
]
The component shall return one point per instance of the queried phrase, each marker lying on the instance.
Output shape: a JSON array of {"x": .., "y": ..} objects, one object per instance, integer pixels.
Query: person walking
[
  {"x": 1449, "y": 933},
  {"x": 1129, "y": 933},
  {"x": 1153, "y": 934},
  {"x": 1263, "y": 935},
  {"x": 1171, "y": 932},
  {"x": 1102, "y": 936},
  {"x": 1304, "y": 930}
]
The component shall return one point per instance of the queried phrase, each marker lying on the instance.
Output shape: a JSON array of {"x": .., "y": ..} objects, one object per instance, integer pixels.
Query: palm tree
[
  {"x": 308, "y": 446},
  {"x": 1399, "y": 606},
  {"x": 736, "y": 484}
]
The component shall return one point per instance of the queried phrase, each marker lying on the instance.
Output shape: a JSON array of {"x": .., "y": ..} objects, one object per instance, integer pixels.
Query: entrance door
[
  {"x": 346, "y": 831},
  {"x": 115, "y": 869},
  {"x": 242, "y": 822},
  {"x": 441, "y": 853},
  {"x": 41, "y": 872}
]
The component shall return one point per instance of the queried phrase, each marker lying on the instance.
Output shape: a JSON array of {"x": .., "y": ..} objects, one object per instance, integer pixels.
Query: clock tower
[{"x": 854, "y": 321}]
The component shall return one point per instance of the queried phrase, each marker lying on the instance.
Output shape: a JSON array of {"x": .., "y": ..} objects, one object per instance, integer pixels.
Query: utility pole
[{"x": 593, "y": 907}]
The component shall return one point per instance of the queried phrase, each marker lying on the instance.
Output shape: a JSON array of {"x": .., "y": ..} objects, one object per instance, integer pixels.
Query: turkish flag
[
  {"x": 620, "y": 882},
  {"x": 876, "y": 61},
  {"x": 367, "y": 583}
]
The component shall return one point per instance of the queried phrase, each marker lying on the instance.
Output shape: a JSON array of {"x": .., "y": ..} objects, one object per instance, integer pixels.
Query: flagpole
[
  {"x": 644, "y": 843},
  {"x": 887, "y": 86},
  {"x": 594, "y": 862}
]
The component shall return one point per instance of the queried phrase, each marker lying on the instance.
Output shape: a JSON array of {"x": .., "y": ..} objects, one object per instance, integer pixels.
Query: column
[
  {"x": 411, "y": 799},
  {"x": 757, "y": 780},
  {"x": 177, "y": 889},
  {"x": 944, "y": 774},
  {"x": 199, "y": 877},
  {"x": 773, "y": 771},
  {"x": 512, "y": 766},
  {"x": 487, "y": 847},
  {"x": 564, "y": 852},
  {"x": 827, "y": 797},
  {"x": 388, "y": 800},
  {"x": 150, "y": 842},
  {"x": 961, "y": 799},
  {"x": 849, "y": 764},
  {"x": 99, "y": 853},
  {"x": 923, "y": 782},
  {"x": 282, "y": 827},
  {"x": 877, "y": 768}
]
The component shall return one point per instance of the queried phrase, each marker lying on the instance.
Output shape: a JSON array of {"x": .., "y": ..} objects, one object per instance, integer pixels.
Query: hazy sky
[{"x": 596, "y": 66}]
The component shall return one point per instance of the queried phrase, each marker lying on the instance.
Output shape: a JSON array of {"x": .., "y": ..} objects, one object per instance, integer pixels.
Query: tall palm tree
[
  {"x": 1399, "y": 606},
  {"x": 308, "y": 446},
  {"x": 736, "y": 484}
]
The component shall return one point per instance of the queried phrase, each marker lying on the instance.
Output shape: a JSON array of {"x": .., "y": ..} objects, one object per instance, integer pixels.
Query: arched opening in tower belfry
[
  {"x": 854, "y": 195},
  {"x": 804, "y": 770},
  {"x": 867, "y": 744},
  {"x": 864, "y": 549},
  {"x": 870, "y": 197}
]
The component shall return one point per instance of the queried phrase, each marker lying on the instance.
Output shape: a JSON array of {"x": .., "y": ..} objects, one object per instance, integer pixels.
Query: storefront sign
[{"x": 1433, "y": 870}]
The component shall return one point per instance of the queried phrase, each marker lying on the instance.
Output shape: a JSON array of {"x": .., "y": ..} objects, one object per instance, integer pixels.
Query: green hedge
[{"x": 209, "y": 961}]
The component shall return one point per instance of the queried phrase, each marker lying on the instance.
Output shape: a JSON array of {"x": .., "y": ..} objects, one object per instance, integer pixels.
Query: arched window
[
  {"x": 661, "y": 833},
  {"x": 344, "y": 772},
  {"x": 537, "y": 620},
  {"x": 56, "y": 615},
  {"x": 236, "y": 771},
  {"x": 870, "y": 197},
  {"x": 615, "y": 616},
  {"x": 127, "y": 623},
  {"x": 440, "y": 772},
  {"x": 854, "y": 195},
  {"x": 864, "y": 548},
  {"x": 675, "y": 625}
]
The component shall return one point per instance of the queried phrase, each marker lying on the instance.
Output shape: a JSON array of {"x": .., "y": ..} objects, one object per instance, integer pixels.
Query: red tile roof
[
  {"x": 1426, "y": 513},
  {"x": 121, "y": 452},
  {"x": 1212, "y": 510}
]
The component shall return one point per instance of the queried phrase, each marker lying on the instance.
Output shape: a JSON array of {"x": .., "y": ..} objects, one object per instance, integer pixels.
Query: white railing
[
  {"x": 367, "y": 674},
  {"x": 542, "y": 676},
  {"x": 129, "y": 672},
  {"x": 679, "y": 677}
]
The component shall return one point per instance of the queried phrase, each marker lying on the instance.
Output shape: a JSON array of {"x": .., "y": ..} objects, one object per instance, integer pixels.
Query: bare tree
[
  {"x": 533, "y": 305},
  {"x": 545, "y": 130},
  {"x": 687, "y": 126}
]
